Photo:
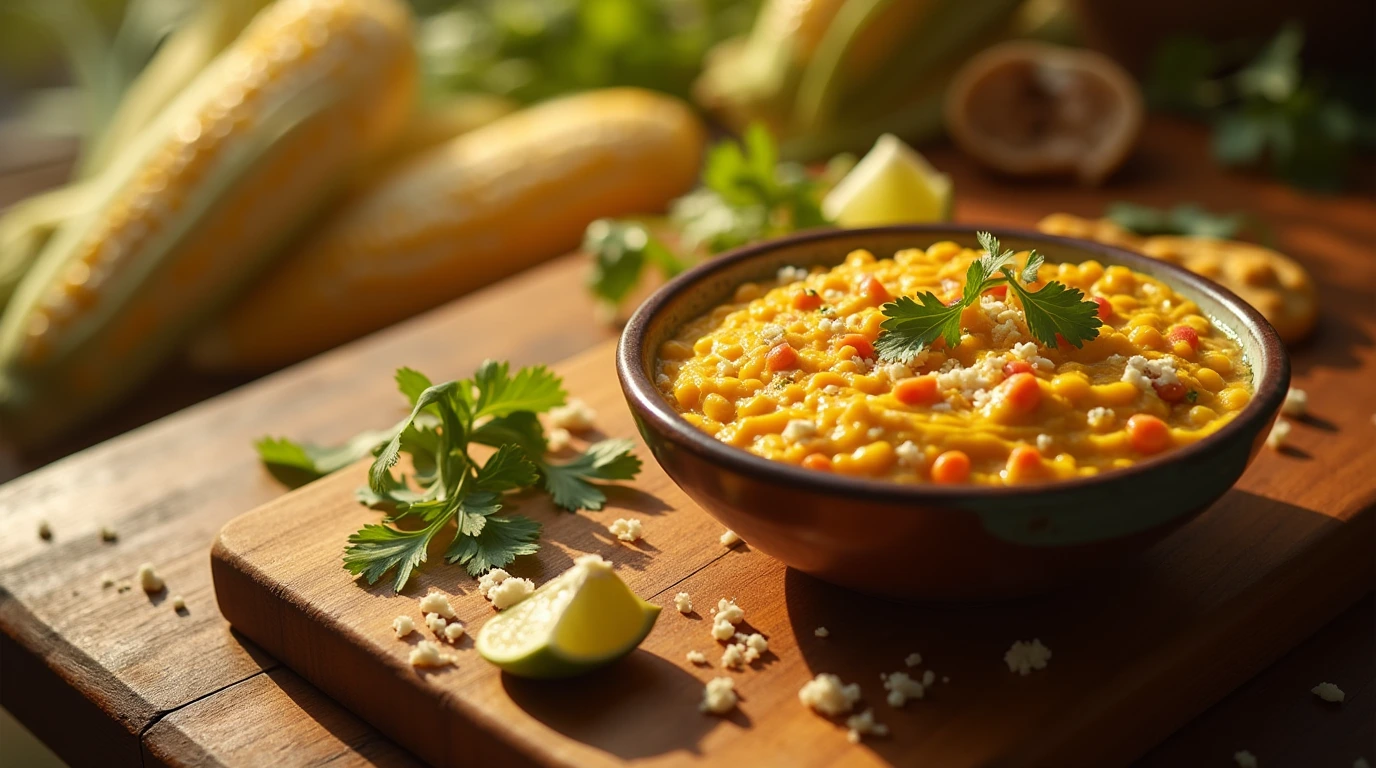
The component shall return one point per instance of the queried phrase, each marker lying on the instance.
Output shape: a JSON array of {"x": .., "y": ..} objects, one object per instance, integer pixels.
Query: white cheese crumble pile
[
  {"x": 45, "y": 531},
  {"x": 453, "y": 631},
  {"x": 503, "y": 589},
  {"x": 1100, "y": 418},
  {"x": 1024, "y": 657},
  {"x": 733, "y": 657},
  {"x": 435, "y": 622},
  {"x": 436, "y": 602},
  {"x": 683, "y": 602},
  {"x": 697, "y": 657},
  {"x": 826, "y": 695},
  {"x": 1143, "y": 373},
  {"x": 719, "y": 696},
  {"x": 575, "y": 416},
  {"x": 108, "y": 534},
  {"x": 1279, "y": 434},
  {"x": 626, "y": 530},
  {"x": 799, "y": 429},
  {"x": 428, "y": 654},
  {"x": 557, "y": 439},
  {"x": 755, "y": 646},
  {"x": 1296, "y": 402},
  {"x": 1328, "y": 692},
  {"x": 1245, "y": 759},
  {"x": 863, "y": 724},
  {"x": 821, "y": 632},
  {"x": 403, "y": 626},
  {"x": 149, "y": 579},
  {"x": 901, "y": 687},
  {"x": 178, "y": 603},
  {"x": 725, "y": 618},
  {"x": 729, "y": 538}
]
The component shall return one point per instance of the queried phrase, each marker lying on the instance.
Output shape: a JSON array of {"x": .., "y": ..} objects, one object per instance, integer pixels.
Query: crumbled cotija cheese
[
  {"x": 428, "y": 654},
  {"x": 799, "y": 429},
  {"x": 1100, "y": 418},
  {"x": 435, "y": 622},
  {"x": 825, "y": 694},
  {"x": 862, "y": 725},
  {"x": 108, "y": 534},
  {"x": 149, "y": 579},
  {"x": 791, "y": 274},
  {"x": 733, "y": 656},
  {"x": 45, "y": 531},
  {"x": 1245, "y": 759},
  {"x": 913, "y": 659},
  {"x": 729, "y": 538},
  {"x": 626, "y": 530},
  {"x": 719, "y": 696},
  {"x": 403, "y": 626},
  {"x": 178, "y": 603},
  {"x": 901, "y": 687},
  {"x": 928, "y": 678},
  {"x": 575, "y": 416},
  {"x": 908, "y": 453},
  {"x": 757, "y": 643},
  {"x": 722, "y": 630},
  {"x": 436, "y": 602},
  {"x": 1279, "y": 434},
  {"x": 683, "y": 602},
  {"x": 558, "y": 439},
  {"x": 697, "y": 657},
  {"x": 727, "y": 610},
  {"x": 491, "y": 579},
  {"x": 1296, "y": 402},
  {"x": 1143, "y": 373},
  {"x": 453, "y": 631},
  {"x": 821, "y": 632},
  {"x": 510, "y": 592},
  {"x": 1044, "y": 443},
  {"x": 1328, "y": 692},
  {"x": 1024, "y": 657}
]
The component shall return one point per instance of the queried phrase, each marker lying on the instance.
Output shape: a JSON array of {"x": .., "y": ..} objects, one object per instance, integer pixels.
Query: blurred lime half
[
  {"x": 584, "y": 618},
  {"x": 893, "y": 184}
]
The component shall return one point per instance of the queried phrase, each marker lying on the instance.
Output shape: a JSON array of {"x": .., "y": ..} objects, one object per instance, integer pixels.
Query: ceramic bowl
[{"x": 929, "y": 541}]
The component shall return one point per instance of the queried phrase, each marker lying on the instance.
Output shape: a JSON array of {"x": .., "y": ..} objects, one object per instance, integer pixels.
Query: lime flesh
[
  {"x": 582, "y": 619},
  {"x": 892, "y": 184}
]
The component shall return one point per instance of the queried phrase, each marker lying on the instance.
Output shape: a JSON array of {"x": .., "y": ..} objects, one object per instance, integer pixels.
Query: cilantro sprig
[
  {"x": 1053, "y": 312},
  {"x": 449, "y": 491}
]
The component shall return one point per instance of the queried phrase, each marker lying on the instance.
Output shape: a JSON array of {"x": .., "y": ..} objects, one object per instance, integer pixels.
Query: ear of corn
[
  {"x": 26, "y": 227},
  {"x": 200, "y": 201},
  {"x": 460, "y": 216}
]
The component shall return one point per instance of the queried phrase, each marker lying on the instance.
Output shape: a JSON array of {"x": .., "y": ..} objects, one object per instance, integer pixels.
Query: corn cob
[
  {"x": 485, "y": 205},
  {"x": 200, "y": 201}
]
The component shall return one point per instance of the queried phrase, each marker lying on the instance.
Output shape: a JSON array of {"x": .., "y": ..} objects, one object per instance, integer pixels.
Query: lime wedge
[
  {"x": 893, "y": 184},
  {"x": 582, "y": 619}
]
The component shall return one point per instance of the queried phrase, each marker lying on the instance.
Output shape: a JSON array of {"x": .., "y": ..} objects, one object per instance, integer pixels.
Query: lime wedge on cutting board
[
  {"x": 582, "y": 619},
  {"x": 892, "y": 184}
]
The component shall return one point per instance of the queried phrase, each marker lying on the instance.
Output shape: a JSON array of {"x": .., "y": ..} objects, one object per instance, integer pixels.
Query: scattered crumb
[
  {"x": 755, "y": 646},
  {"x": 697, "y": 657},
  {"x": 945, "y": 679},
  {"x": 510, "y": 592},
  {"x": 913, "y": 659},
  {"x": 862, "y": 725},
  {"x": 928, "y": 678},
  {"x": 1296, "y": 402},
  {"x": 453, "y": 631},
  {"x": 436, "y": 602},
  {"x": 178, "y": 604},
  {"x": 123, "y": 587},
  {"x": 1245, "y": 759},
  {"x": 491, "y": 579},
  {"x": 435, "y": 622},
  {"x": 734, "y": 656},
  {"x": 558, "y": 439},
  {"x": 901, "y": 687},
  {"x": 727, "y": 610},
  {"x": 403, "y": 626},
  {"x": 1024, "y": 657},
  {"x": 575, "y": 416},
  {"x": 729, "y": 538},
  {"x": 428, "y": 654},
  {"x": 1279, "y": 433},
  {"x": 149, "y": 579},
  {"x": 108, "y": 534},
  {"x": 106, "y": 581},
  {"x": 45, "y": 531},
  {"x": 821, "y": 632},
  {"x": 626, "y": 530},
  {"x": 826, "y": 695},
  {"x": 719, "y": 696},
  {"x": 683, "y": 602},
  {"x": 1328, "y": 692}
]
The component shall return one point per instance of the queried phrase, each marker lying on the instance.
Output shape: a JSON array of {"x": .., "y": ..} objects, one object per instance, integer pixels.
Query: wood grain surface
[{"x": 111, "y": 668}]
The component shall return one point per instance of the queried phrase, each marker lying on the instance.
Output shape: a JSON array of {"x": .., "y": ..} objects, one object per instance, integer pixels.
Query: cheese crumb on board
[
  {"x": 683, "y": 602},
  {"x": 108, "y": 534},
  {"x": 723, "y": 630},
  {"x": 436, "y": 602},
  {"x": 826, "y": 695},
  {"x": 491, "y": 579},
  {"x": 727, "y": 610},
  {"x": 733, "y": 657},
  {"x": 1245, "y": 759},
  {"x": 403, "y": 626},
  {"x": 1024, "y": 657},
  {"x": 1328, "y": 692},
  {"x": 1278, "y": 435},
  {"x": 863, "y": 724},
  {"x": 178, "y": 603},
  {"x": 913, "y": 659},
  {"x": 755, "y": 646},
  {"x": 719, "y": 696},
  {"x": 821, "y": 632},
  {"x": 928, "y": 678},
  {"x": 45, "y": 531},
  {"x": 149, "y": 579},
  {"x": 428, "y": 654},
  {"x": 106, "y": 581},
  {"x": 453, "y": 631},
  {"x": 626, "y": 530},
  {"x": 697, "y": 657},
  {"x": 510, "y": 592},
  {"x": 901, "y": 687},
  {"x": 575, "y": 416},
  {"x": 1296, "y": 402},
  {"x": 435, "y": 622},
  {"x": 557, "y": 440},
  {"x": 729, "y": 538}
]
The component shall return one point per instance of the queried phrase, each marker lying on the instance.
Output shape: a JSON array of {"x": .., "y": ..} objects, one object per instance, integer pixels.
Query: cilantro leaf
[
  {"x": 994, "y": 258},
  {"x": 318, "y": 460},
  {"x": 521, "y": 428},
  {"x": 379, "y": 474},
  {"x": 1056, "y": 310},
  {"x": 498, "y": 542},
  {"x": 1034, "y": 263},
  {"x": 621, "y": 251},
  {"x": 606, "y": 460},
  {"x": 534, "y": 388},
  {"x": 412, "y": 383},
  {"x": 1183, "y": 219},
  {"x": 910, "y": 326},
  {"x": 376, "y": 549},
  {"x": 506, "y": 470}
]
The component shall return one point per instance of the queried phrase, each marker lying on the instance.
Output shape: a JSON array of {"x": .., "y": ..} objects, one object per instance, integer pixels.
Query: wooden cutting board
[{"x": 1135, "y": 655}]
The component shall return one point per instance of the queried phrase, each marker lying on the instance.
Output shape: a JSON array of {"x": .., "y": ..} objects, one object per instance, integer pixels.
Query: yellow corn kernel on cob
[
  {"x": 201, "y": 200},
  {"x": 462, "y": 215}
]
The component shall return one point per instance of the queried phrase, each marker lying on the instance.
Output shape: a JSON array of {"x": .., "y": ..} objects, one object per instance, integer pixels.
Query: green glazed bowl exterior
[{"x": 929, "y": 541}]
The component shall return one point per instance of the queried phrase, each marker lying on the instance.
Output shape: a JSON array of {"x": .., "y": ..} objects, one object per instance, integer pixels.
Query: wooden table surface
[{"x": 156, "y": 687}]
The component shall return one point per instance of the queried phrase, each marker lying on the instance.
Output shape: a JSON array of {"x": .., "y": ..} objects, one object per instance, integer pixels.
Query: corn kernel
[
  {"x": 1209, "y": 379},
  {"x": 1146, "y": 337},
  {"x": 718, "y": 408},
  {"x": 1234, "y": 398}
]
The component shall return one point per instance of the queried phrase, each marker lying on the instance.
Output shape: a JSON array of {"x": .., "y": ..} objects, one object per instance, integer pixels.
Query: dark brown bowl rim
[{"x": 1269, "y": 374}]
